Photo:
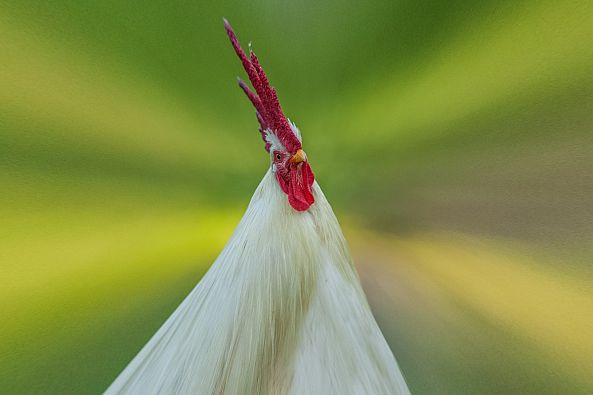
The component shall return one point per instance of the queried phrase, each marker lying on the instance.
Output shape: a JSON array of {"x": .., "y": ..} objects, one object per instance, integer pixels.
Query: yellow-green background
[{"x": 454, "y": 139}]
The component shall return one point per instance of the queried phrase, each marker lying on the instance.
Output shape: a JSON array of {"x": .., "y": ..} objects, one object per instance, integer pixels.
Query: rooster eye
[{"x": 278, "y": 156}]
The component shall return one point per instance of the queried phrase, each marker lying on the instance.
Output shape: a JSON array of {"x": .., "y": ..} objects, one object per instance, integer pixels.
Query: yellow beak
[{"x": 299, "y": 157}]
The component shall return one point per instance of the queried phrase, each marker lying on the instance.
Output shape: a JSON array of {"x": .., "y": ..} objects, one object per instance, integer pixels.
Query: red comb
[{"x": 268, "y": 110}]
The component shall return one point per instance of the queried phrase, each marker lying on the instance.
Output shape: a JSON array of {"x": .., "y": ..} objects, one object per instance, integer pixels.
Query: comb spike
[
  {"x": 252, "y": 96},
  {"x": 265, "y": 88},
  {"x": 251, "y": 72},
  {"x": 264, "y": 99}
]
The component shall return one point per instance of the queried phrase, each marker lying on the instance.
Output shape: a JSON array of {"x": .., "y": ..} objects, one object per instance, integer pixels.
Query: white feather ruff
[
  {"x": 275, "y": 143},
  {"x": 280, "y": 311}
]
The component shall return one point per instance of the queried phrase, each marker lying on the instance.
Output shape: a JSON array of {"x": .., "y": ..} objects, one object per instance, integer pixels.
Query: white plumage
[{"x": 281, "y": 311}]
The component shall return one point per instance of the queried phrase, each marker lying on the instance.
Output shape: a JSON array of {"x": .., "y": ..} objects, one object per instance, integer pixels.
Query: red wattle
[{"x": 300, "y": 195}]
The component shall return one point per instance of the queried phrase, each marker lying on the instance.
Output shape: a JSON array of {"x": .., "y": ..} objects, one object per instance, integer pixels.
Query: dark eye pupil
[{"x": 278, "y": 156}]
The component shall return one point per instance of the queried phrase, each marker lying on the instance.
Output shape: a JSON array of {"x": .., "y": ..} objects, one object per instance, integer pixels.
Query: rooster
[{"x": 281, "y": 310}]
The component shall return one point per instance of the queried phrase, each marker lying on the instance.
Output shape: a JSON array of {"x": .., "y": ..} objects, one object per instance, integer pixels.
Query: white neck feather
[{"x": 280, "y": 311}]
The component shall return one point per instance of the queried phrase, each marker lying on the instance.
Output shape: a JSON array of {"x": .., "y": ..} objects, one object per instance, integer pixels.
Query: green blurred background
[{"x": 453, "y": 138}]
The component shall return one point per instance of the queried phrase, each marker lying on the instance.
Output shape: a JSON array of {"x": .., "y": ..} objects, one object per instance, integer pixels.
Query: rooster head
[{"x": 281, "y": 137}]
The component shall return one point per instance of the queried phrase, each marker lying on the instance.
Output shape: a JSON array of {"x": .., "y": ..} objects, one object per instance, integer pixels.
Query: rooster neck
[
  {"x": 291, "y": 259},
  {"x": 280, "y": 311}
]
